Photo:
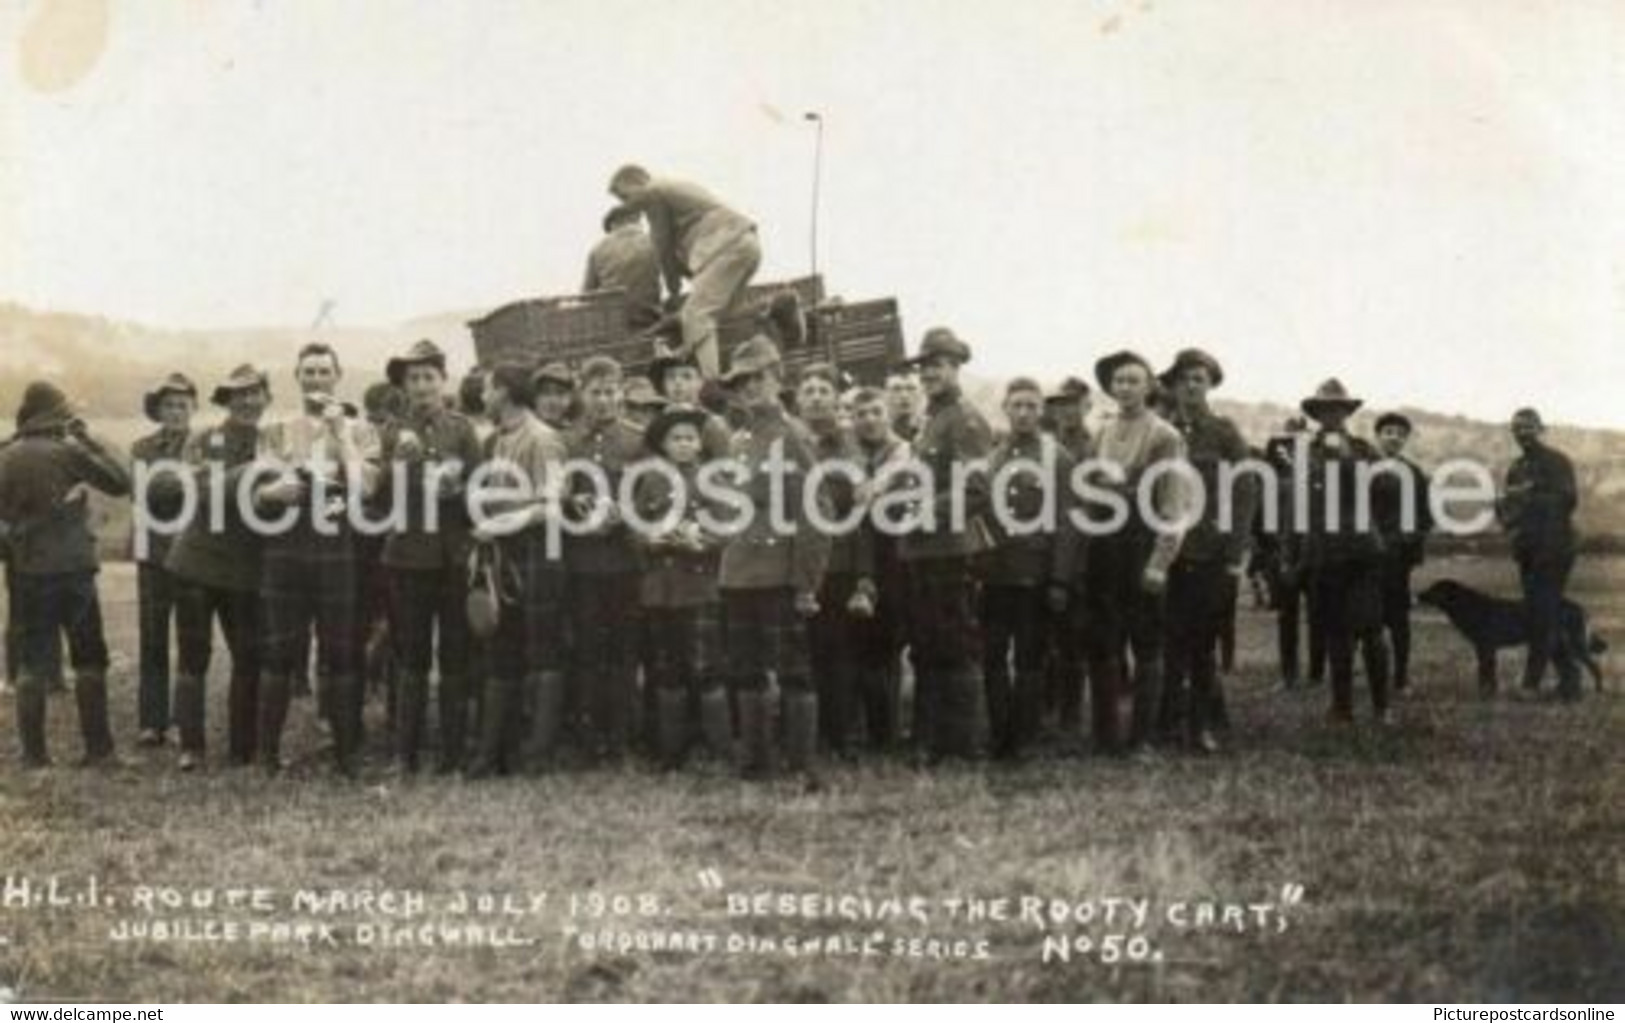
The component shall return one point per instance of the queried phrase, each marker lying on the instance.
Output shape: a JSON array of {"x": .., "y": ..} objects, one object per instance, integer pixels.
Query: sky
[{"x": 1424, "y": 198}]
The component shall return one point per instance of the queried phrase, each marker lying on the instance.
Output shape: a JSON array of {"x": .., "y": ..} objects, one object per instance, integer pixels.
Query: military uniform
[
  {"x": 832, "y": 632},
  {"x": 682, "y": 614},
  {"x": 311, "y": 575},
  {"x": 763, "y": 570},
  {"x": 528, "y": 653},
  {"x": 603, "y": 590},
  {"x": 1018, "y": 575},
  {"x": 156, "y": 589},
  {"x": 1341, "y": 559},
  {"x": 877, "y": 641},
  {"x": 1404, "y": 548},
  {"x": 54, "y": 565},
  {"x": 1537, "y": 510},
  {"x": 944, "y": 638},
  {"x": 427, "y": 578},
  {"x": 218, "y": 576},
  {"x": 1203, "y": 581}
]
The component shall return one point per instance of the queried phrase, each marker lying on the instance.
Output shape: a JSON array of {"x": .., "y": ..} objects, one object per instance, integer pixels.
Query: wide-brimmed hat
[
  {"x": 1187, "y": 358},
  {"x": 640, "y": 393},
  {"x": 1329, "y": 396},
  {"x": 939, "y": 343},
  {"x": 44, "y": 406},
  {"x": 1069, "y": 389},
  {"x": 756, "y": 355},
  {"x": 1108, "y": 366},
  {"x": 1398, "y": 419},
  {"x": 673, "y": 415},
  {"x": 175, "y": 383},
  {"x": 243, "y": 378},
  {"x": 555, "y": 373},
  {"x": 422, "y": 353},
  {"x": 665, "y": 361}
]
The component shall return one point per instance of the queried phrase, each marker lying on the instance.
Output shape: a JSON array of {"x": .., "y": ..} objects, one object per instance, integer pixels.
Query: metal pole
[{"x": 818, "y": 171}]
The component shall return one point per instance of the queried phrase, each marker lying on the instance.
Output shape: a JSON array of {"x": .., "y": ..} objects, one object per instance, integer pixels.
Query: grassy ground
[{"x": 1470, "y": 853}]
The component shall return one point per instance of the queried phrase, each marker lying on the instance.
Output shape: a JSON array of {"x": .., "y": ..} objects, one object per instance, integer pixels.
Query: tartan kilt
[
  {"x": 531, "y": 634},
  {"x": 685, "y": 643},
  {"x": 763, "y": 633},
  {"x": 307, "y": 578}
]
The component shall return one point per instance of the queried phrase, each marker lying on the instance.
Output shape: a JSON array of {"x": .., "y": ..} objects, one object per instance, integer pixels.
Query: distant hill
[{"x": 107, "y": 364}]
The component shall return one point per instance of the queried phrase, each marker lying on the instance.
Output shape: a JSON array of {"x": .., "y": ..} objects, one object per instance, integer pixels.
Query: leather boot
[
  {"x": 411, "y": 708},
  {"x": 1108, "y": 705},
  {"x": 546, "y": 689},
  {"x": 755, "y": 736},
  {"x": 189, "y": 712},
  {"x": 242, "y": 699},
  {"x": 1145, "y": 703},
  {"x": 453, "y": 706},
  {"x": 716, "y": 722},
  {"x": 961, "y": 714},
  {"x": 275, "y": 692},
  {"x": 671, "y": 726},
  {"x": 31, "y": 701},
  {"x": 347, "y": 734},
  {"x": 800, "y": 729},
  {"x": 90, "y": 693},
  {"x": 1027, "y": 710},
  {"x": 494, "y": 710}
]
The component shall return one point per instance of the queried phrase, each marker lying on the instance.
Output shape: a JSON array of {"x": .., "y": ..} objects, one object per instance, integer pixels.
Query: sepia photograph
[{"x": 928, "y": 501}]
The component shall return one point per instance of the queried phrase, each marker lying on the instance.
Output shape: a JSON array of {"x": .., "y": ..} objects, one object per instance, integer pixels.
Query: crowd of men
[{"x": 766, "y": 647}]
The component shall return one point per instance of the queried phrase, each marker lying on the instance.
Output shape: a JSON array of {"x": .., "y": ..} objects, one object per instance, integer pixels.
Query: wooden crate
[
  {"x": 863, "y": 338},
  {"x": 544, "y": 329}
]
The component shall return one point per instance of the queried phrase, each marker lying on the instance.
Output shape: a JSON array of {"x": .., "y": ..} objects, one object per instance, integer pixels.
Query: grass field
[{"x": 1472, "y": 852}]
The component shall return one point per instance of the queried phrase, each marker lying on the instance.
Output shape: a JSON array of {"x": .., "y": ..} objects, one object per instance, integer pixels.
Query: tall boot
[
  {"x": 347, "y": 734},
  {"x": 1027, "y": 709},
  {"x": 879, "y": 707},
  {"x": 90, "y": 693},
  {"x": 411, "y": 709},
  {"x": 189, "y": 712},
  {"x": 31, "y": 701},
  {"x": 453, "y": 706},
  {"x": 671, "y": 725},
  {"x": 242, "y": 699},
  {"x": 716, "y": 722},
  {"x": 494, "y": 710},
  {"x": 1110, "y": 706},
  {"x": 1146, "y": 700},
  {"x": 755, "y": 735},
  {"x": 276, "y": 690},
  {"x": 546, "y": 718},
  {"x": 961, "y": 714},
  {"x": 800, "y": 728}
]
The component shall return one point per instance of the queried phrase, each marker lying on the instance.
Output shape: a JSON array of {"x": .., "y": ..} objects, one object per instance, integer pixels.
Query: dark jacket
[
  {"x": 676, "y": 576},
  {"x": 1329, "y": 542},
  {"x": 851, "y": 553},
  {"x": 1406, "y": 545},
  {"x": 226, "y": 558},
  {"x": 47, "y": 535},
  {"x": 1538, "y": 506},
  {"x": 760, "y": 557},
  {"x": 954, "y": 433},
  {"x": 445, "y": 436},
  {"x": 1018, "y": 468},
  {"x": 164, "y": 492},
  {"x": 1210, "y": 442},
  {"x": 612, "y": 447}
]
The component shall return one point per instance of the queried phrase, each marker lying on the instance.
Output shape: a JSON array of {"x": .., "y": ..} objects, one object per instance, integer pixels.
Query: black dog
[{"x": 1491, "y": 624}]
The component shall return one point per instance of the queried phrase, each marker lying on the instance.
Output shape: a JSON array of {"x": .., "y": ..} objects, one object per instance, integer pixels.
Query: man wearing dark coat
[{"x": 1537, "y": 509}]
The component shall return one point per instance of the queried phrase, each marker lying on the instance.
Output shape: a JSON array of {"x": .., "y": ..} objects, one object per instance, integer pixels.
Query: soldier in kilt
[
  {"x": 848, "y": 594},
  {"x": 320, "y": 463},
  {"x": 429, "y": 451},
  {"x": 944, "y": 634},
  {"x": 681, "y": 607},
  {"x": 601, "y": 561},
  {"x": 878, "y": 638},
  {"x": 771, "y": 575},
  {"x": 160, "y": 499},
  {"x": 216, "y": 565},
  {"x": 515, "y": 498}
]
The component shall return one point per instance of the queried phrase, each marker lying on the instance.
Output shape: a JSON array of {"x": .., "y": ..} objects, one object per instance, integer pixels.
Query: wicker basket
[{"x": 543, "y": 329}]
